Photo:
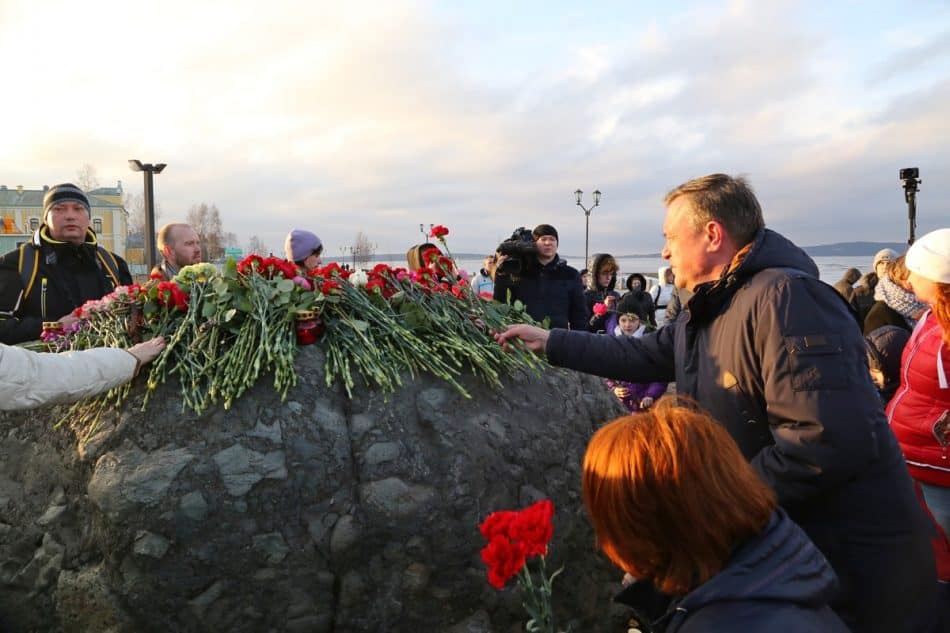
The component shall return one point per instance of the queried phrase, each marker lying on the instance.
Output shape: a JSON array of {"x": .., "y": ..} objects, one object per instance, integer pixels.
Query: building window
[
  {"x": 97, "y": 225},
  {"x": 34, "y": 224}
]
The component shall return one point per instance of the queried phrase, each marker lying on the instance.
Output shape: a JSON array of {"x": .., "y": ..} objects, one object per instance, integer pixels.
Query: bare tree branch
[{"x": 86, "y": 178}]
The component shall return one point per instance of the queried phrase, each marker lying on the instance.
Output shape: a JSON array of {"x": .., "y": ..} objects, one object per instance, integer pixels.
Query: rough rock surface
[{"x": 318, "y": 514}]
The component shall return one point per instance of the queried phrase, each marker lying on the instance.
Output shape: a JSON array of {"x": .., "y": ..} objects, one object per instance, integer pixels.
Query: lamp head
[{"x": 577, "y": 195}]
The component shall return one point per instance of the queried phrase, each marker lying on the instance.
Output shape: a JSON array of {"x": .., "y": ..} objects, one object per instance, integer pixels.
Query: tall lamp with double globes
[{"x": 577, "y": 196}]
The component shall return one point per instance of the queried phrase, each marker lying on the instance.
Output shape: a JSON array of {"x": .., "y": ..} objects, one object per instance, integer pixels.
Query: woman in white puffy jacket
[
  {"x": 30, "y": 379},
  {"x": 662, "y": 292}
]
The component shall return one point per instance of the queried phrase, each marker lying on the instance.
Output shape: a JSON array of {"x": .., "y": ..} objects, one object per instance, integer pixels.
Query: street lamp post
[
  {"x": 577, "y": 196},
  {"x": 148, "y": 169},
  {"x": 422, "y": 229}
]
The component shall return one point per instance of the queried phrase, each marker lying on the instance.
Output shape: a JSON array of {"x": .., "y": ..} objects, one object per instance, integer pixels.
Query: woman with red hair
[{"x": 675, "y": 505}]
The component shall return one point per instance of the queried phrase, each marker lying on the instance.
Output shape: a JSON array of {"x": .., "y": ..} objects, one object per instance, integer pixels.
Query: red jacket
[{"x": 919, "y": 413}]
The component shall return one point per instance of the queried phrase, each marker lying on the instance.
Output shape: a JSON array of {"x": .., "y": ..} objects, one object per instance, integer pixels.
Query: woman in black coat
[
  {"x": 638, "y": 300},
  {"x": 603, "y": 280}
]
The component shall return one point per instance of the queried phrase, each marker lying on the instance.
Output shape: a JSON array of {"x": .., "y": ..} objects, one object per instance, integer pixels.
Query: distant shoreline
[{"x": 838, "y": 249}]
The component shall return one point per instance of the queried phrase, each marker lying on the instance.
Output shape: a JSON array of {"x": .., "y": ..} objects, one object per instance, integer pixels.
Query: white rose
[{"x": 359, "y": 278}]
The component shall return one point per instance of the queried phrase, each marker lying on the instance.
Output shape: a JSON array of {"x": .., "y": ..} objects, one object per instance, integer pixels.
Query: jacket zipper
[
  {"x": 904, "y": 375},
  {"x": 43, "y": 298}
]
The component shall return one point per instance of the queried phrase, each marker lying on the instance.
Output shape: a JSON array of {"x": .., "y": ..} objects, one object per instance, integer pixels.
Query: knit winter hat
[
  {"x": 301, "y": 244},
  {"x": 930, "y": 256},
  {"x": 64, "y": 192},
  {"x": 544, "y": 229},
  {"x": 883, "y": 255}
]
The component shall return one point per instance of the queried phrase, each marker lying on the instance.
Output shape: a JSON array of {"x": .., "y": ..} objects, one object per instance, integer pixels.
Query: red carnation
[
  {"x": 250, "y": 264},
  {"x": 532, "y": 526},
  {"x": 431, "y": 255},
  {"x": 375, "y": 285},
  {"x": 504, "y": 559},
  {"x": 438, "y": 231},
  {"x": 600, "y": 309},
  {"x": 496, "y": 523}
]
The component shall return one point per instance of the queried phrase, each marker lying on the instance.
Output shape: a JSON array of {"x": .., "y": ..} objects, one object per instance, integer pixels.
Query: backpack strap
[
  {"x": 110, "y": 264},
  {"x": 28, "y": 265}
]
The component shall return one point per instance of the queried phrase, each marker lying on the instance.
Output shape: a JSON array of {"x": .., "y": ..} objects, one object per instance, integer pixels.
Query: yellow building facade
[{"x": 21, "y": 213}]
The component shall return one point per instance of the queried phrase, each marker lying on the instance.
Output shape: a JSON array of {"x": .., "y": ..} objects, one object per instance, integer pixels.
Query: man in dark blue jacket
[
  {"x": 775, "y": 356},
  {"x": 551, "y": 289}
]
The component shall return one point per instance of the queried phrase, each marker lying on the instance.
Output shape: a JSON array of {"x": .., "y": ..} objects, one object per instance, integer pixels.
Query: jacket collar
[{"x": 41, "y": 236}]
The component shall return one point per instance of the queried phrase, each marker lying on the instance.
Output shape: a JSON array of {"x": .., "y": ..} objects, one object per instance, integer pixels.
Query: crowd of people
[
  {"x": 779, "y": 361},
  {"x": 798, "y": 480}
]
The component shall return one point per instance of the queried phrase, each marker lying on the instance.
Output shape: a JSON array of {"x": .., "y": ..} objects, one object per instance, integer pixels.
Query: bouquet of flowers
[
  {"x": 225, "y": 329},
  {"x": 392, "y": 320},
  {"x": 515, "y": 537}
]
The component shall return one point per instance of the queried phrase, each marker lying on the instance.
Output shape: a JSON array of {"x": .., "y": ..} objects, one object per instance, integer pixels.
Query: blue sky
[{"x": 486, "y": 116}]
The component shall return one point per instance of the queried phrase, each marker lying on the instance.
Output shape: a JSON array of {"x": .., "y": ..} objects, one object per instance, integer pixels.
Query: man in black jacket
[
  {"x": 775, "y": 356},
  {"x": 552, "y": 289},
  {"x": 66, "y": 266}
]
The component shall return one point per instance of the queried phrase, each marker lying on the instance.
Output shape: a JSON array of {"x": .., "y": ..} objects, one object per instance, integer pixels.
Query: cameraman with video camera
[{"x": 530, "y": 270}]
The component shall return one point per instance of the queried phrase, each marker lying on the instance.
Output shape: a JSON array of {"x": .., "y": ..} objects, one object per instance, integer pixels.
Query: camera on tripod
[
  {"x": 521, "y": 252},
  {"x": 910, "y": 178}
]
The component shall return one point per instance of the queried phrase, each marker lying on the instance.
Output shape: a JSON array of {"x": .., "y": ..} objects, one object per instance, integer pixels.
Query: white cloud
[{"x": 347, "y": 117}]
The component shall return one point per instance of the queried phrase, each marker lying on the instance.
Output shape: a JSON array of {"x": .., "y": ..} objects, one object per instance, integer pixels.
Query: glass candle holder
[{"x": 307, "y": 327}]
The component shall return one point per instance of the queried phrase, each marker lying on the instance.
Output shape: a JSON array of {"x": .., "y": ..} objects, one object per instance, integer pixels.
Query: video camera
[
  {"x": 910, "y": 178},
  {"x": 521, "y": 252}
]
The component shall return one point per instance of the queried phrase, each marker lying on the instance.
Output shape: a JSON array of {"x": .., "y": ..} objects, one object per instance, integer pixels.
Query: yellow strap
[
  {"x": 36, "y": 266},
  {"x": 112, "y": 270}
]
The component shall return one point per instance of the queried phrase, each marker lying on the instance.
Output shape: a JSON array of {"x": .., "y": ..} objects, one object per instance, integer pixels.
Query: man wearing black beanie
[
  {"x": 60, "y": 269},
  {"x": 550, "y": 289}
]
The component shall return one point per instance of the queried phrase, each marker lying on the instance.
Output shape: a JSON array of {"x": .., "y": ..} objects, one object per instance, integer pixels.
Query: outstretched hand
[
  {"x": 534, "y": 338},
  {"x": 146, "y": 351}
]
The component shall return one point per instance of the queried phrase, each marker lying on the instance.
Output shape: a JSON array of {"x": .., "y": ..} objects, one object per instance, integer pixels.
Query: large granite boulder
[{"x": 321, "y": 513}]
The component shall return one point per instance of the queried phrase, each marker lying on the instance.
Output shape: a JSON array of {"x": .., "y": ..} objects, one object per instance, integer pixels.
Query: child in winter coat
[
  {"x": 884, "y": 347},
  {"x": 635, "y": 396}
]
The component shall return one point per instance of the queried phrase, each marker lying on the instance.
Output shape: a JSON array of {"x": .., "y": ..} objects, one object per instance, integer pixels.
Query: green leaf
[
  {"x": 518, "y": 306},
  {"x": 220, "y": 286},
  {"x": 360, "y": 326},
  {"x": 230, "y": 269},
  {"x": 285, "y": 285},
  {"x": 208, "y": 309},
  {"x": 150, "y": 308},
  {"x": 230, "y": 314},
  {"x": 414, "y": 320}
]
